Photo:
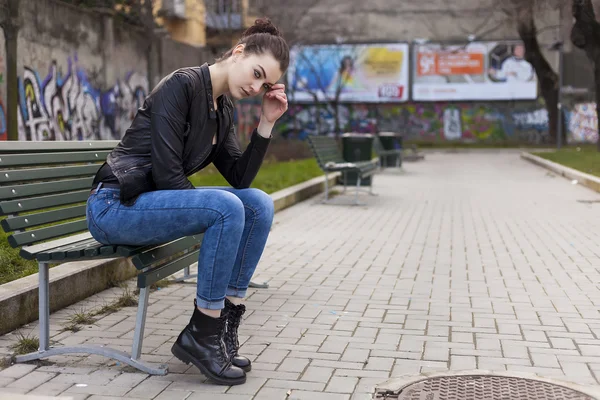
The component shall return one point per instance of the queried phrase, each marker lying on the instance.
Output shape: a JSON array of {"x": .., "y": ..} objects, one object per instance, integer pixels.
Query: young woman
[{"x": 142, "y": 196}]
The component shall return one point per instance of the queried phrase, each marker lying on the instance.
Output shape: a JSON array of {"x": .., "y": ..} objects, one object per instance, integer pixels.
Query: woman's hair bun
[{"x": 262, "y": 25}]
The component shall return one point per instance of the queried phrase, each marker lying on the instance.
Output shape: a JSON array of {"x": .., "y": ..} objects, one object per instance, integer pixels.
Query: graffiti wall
[
  {"x": 582, "y": 122},
  {"x": 82, "y": 74},
  {"x": 466, "y": 122},
  {"x": 65, "y": 106}
]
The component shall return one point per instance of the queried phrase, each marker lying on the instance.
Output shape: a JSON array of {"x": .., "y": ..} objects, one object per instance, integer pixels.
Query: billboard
[
  {"x": 476, "y": 71},
  {"x": 358, "y": 72}
]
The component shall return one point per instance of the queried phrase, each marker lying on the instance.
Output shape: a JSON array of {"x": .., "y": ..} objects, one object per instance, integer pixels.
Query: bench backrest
[
  {"x": 44, "y": 187},
  {"x": 325, "y": 149}
]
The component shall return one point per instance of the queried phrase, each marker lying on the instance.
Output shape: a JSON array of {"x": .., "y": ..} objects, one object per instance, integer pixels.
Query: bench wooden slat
[
  {"x": 149, "y": 257},
  {"x": 36, "y": 189},
  {"x": 30, "y": 220},
  {"x": 36, "y": 203},
  {"x": 17, "y": 160},
  {"x": 38, "y": 235},
  {"x": 29, "y": 252},
  {"x": 60, "y": 253},
  {"x": 154, "y": 275},
  {"x": 44, "y": 146},
  {"x": 104, "y": 250},
  {"x": 80, "y": 251},
  {"x": 39, "y": 174}
]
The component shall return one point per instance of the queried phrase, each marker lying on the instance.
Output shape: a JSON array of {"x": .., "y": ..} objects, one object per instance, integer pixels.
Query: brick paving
[{"x": 464, "y": 260}]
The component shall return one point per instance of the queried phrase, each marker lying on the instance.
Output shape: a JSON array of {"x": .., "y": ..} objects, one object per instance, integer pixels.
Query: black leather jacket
[{"x": 171, "y": 136}]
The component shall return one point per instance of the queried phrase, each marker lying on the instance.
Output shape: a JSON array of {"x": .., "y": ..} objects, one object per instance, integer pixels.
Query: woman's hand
[{"x": 274, "y": 103}]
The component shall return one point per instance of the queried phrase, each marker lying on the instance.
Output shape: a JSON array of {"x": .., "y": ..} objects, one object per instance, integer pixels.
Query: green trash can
[
  {"x": 390, "y": 141},
  {"x": 357, "y": 147}
]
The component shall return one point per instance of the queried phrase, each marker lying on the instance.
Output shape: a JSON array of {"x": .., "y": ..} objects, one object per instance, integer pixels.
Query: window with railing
[{"x": 223, "y": 14}]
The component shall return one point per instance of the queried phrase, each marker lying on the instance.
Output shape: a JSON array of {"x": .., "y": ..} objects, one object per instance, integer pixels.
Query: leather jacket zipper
[{"x": 137, "y": 167}]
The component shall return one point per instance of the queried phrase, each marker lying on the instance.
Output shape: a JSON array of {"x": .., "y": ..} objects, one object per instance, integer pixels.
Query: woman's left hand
[{"x": 274, "y": 103}]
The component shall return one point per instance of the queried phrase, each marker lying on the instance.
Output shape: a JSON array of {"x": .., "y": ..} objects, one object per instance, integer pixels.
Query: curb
[
  {"x": 74, "y": 281},
  {"x": 399, "y": 383},
  {"x": 587, "y": 180}
]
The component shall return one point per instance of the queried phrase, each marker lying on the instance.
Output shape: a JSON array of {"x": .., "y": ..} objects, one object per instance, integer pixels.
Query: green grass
[
  {"x": 584, "y": 158},
  {"x": 273, "y": 176},
  {"x": 13, "y": 266},
  {"x": 26, "y": 344}
]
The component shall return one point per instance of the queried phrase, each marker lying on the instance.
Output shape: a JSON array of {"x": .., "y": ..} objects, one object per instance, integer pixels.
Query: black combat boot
[
  {"x": 233, "y": 315},
  {"x": 201, "y": 343}
]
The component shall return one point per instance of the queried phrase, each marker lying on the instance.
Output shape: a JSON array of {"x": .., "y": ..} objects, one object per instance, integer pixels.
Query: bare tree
[
  {"x": 585, "y": 35},
  {"x": 523, "y": 13},
  {"x": 10, "y": 23},
  {"x": 317, "y": 59}
]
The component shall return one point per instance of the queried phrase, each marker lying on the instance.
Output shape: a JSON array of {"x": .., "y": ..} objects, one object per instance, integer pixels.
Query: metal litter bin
[
  {"x": 357, "y": 147},
  {"x": 390, "y": 141}
]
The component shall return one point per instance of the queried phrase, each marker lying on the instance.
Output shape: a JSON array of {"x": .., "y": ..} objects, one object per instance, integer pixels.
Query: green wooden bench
[
  {"x": 384, "y": 154},
  {"x": 330, "y": 159},
  {"x": 43, "y": 190}
]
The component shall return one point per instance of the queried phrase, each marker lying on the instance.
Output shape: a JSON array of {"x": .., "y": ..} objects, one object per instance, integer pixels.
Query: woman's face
[{"x": 252, "y": 74}]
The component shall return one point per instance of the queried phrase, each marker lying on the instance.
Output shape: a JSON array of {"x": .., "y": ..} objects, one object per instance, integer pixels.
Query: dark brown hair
[{"x": 264, "y": 36}]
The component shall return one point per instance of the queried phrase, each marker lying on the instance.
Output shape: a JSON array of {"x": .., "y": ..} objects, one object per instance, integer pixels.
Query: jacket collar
[
  {"x": 204, "y": 71},
  {"x": 212, "y": 114}
]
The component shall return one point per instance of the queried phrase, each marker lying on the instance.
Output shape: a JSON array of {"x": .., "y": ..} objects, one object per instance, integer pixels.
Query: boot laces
[{"x": 234, "y": 317}]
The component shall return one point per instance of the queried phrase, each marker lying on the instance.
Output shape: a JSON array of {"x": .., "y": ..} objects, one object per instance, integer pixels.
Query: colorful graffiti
[
  {"x": 472, "y": 122},
  {"x": 582, "y": 123},
  {"x": 68, "y": 107}
]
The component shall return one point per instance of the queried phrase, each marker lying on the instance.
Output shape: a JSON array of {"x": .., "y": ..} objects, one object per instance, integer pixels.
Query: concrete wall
[{"x": 82, "y": 74}]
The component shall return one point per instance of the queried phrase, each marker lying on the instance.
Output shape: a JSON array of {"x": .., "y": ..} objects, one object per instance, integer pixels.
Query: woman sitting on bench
[{"x": 141, "y": 195}]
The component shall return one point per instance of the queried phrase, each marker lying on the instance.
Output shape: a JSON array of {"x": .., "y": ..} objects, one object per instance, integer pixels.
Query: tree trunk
[
  {"x": 586, "y": 36},
  {"x": 10, "y": 26},
  {"x": 336, "y": 114},
  {"x": 548, "y": 79},
  {"x": 12, "y": 106},
  {"x": 597, "y": 86}
]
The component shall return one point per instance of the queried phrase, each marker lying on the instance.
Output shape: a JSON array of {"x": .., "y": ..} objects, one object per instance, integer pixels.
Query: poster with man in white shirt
[{"x": 514, "y": 68}]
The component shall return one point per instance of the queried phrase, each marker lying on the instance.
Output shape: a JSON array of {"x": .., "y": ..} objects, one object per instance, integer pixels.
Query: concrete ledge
[
  {"x": 587, "y": 180},
  {"x": 69, "y": 282},
  {"x": 302, "y": 191},
  {"x": 74, "y": 281}
]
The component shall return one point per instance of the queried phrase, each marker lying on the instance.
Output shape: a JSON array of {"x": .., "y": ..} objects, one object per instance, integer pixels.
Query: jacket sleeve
[
  {"x": 167, "y": 127},
  {"x": 240, "y": 169}
]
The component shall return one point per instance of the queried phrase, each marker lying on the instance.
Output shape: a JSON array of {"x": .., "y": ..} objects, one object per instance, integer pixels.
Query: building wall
[
  {"x": 190, "y": 30},
  {"x": 82, "y": 75}
]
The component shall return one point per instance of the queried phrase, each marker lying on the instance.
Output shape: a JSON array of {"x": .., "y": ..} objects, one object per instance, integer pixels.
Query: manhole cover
[{"x": 483, "y": 387}]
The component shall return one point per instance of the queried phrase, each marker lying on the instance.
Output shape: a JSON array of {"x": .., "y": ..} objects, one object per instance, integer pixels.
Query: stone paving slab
[{"x": 465, "y": 260}]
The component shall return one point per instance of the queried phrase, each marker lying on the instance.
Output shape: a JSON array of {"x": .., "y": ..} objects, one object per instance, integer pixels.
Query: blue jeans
[{"x": 235, "y": 223}]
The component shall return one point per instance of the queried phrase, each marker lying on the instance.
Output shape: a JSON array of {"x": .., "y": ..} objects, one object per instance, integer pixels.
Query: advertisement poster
[
  {"x": 475, "y": 71},
  {"x": 355, "y": 72}
]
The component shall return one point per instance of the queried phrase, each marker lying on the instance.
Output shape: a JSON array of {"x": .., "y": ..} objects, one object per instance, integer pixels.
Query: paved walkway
[{"x": 464, "y": 261}]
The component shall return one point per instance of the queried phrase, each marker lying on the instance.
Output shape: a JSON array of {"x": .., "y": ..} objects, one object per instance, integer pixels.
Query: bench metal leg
[
  {"x": 46, "y": 351},
  {"x": 140, "y": 323},
  {"x": 44, "y": 305},
  {"x": 187, "y": 275},
  {"x": 357, "y": 189}
]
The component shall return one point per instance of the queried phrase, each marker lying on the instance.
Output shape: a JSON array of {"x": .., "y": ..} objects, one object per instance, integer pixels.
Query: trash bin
[
  {"x": 357, "y": 147},
  {"x": 390, "y": 141}
]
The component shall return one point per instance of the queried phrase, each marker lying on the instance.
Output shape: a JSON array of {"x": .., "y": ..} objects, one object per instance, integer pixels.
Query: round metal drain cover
[{"x": 484, "y": 387}]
